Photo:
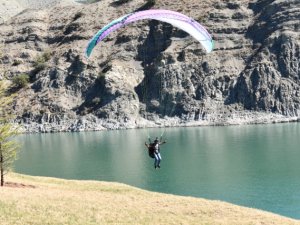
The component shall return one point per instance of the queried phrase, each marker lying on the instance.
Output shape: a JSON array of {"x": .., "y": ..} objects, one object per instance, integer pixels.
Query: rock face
[
  {"x": 151, "y": 74},
  {"x": 271, "y": 80}
]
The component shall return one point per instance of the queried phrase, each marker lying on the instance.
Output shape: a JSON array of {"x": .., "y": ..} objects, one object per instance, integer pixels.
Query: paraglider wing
[{"x": 176, "y": 19}]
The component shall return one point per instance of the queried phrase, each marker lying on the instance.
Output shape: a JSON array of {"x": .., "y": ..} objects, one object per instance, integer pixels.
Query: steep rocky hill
[
  {"x": 10, "y": 8},
  {"x": 149, "y": 73}
]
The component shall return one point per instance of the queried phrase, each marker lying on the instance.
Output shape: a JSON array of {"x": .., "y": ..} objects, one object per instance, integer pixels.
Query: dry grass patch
[{"x": 57, "y": 201}]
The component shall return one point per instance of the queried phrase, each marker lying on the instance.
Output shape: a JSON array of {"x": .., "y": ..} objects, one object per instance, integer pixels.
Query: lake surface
[{"x": 253, "y": 165}]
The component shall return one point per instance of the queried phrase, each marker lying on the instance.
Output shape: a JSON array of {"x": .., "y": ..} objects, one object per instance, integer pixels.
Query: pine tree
[{"x": 8, "y": 147}]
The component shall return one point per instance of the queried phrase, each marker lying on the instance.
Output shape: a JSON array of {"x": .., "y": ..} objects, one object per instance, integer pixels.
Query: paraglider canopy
[{"x": 178, "y": 20}]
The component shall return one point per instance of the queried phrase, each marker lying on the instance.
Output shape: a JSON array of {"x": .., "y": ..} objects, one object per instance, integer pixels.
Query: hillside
[
  {"x": 37, "y": 200},
  {"x": 10, "y": 8},
  {"x": 149, "y": 73}
]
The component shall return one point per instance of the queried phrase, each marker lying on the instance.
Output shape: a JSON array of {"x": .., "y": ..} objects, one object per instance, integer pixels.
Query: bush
[
  {"x": 39, "y": 66},
  {"x": 119, "y": 2},
  {"x": 40, "y": 62},
  {"x": 20, "y": 81},
  {"x": 46, "y": 56},
  {"x": 78, "y": 15},
  {"x": 151, "y": 2},
  {"x": 147, "y": 5},
  {"x": 100, "y": 78},
  {"x": 84, "y": 111},
  {"x": 17, "y": 62}
]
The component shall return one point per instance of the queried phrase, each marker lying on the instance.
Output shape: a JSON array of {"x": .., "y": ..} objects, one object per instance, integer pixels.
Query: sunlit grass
[{"x": 56, "y": 201}]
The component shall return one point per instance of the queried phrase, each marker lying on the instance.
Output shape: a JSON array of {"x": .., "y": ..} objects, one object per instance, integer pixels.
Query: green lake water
[{"x": 256, "y": 166}]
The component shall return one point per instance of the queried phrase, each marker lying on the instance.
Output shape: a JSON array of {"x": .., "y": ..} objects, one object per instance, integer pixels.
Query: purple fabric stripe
[
  {"x": 155, "y": 14},
  {"x": 108, "y": 31},
  {"x": 152, "y": 14},
  {"x": 202, "y": 28}
]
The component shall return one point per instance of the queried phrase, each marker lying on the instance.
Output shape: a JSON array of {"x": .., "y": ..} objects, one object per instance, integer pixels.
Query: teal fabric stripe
[{"x": 93, "y": 41}]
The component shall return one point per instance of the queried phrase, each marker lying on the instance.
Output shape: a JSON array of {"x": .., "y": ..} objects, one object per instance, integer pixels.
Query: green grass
[{"x": 55, "y": 201}]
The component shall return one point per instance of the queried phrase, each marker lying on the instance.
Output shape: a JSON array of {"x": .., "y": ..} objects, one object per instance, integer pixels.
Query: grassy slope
[{"x": 57, "y": 201}]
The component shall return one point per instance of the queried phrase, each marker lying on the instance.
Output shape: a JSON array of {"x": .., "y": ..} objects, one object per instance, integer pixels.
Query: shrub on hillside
[
  {"x": 20, "y": 81},
  {"x": 40, "y": 63},
  {"x": 17, "y": 62},
  {"x": 119, "y": 2}
]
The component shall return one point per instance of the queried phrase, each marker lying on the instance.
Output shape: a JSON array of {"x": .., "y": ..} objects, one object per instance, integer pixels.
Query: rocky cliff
[{"x": 150, "y": 73}]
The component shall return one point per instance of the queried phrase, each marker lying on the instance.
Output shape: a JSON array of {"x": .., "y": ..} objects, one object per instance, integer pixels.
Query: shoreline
[{"x": 50, "y": 124}]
